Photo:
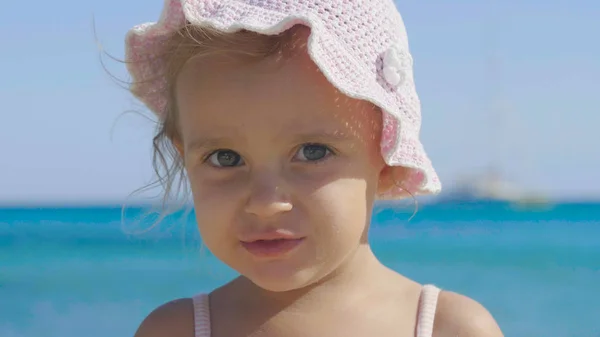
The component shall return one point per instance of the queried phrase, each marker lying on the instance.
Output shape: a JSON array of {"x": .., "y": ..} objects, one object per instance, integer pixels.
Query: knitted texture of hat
[{"x": 360, "y": 46}]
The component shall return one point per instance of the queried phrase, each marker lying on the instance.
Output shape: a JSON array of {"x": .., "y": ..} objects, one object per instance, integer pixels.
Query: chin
[{"x": 281, "y": 278}]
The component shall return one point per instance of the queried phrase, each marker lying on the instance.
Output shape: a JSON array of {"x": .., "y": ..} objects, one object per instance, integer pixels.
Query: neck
[{"x": 350, "y": 281}]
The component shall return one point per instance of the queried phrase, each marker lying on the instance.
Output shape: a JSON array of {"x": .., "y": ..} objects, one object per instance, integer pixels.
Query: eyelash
[{"x": 330, "y": 152}]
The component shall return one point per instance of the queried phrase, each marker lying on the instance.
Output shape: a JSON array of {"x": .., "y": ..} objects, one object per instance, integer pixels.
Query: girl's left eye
[{"x": 312, "y": 152}]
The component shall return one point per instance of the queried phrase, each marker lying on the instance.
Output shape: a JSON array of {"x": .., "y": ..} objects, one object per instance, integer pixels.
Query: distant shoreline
[{"x": 422, "y": 202}]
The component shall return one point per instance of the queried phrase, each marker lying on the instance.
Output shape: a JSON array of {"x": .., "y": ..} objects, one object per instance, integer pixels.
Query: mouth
[{"x": 271, "y": 248}]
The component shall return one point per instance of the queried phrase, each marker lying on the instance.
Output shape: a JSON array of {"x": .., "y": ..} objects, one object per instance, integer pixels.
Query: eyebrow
[
  {"x": 321, "y": 137},
  {"x": 202, "y": 143}
]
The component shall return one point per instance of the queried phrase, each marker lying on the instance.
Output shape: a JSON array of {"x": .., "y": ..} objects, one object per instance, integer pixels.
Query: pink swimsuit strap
[{"x": 426, "y": 316}]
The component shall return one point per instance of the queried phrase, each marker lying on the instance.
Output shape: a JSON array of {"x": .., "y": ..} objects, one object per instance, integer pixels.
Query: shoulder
[
  {"x": 461, "y": 316},
  {"x": 175, "y": 318}
]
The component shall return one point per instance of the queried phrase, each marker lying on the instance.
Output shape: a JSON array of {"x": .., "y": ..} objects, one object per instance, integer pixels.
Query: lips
[{"x": 271, "y": 248}]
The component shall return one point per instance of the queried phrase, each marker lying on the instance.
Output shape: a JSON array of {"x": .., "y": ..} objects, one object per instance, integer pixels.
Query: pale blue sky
[{"x": 58, "y": 104}]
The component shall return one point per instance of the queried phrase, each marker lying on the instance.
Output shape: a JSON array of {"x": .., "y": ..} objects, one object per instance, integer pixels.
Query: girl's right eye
[{"x": 225, "y": 158}]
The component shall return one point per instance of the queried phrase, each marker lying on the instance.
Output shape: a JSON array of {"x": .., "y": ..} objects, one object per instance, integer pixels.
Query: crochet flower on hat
[{"x": 396, "y": 62}]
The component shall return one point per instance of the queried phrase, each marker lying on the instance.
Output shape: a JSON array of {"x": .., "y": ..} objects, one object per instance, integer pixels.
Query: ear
[
  {"x": 386, "y": 180},
  {"x": 390, "y": 177}
]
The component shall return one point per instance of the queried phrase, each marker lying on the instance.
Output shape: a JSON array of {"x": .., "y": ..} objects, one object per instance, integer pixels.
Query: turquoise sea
[{"x": 67, "y": 272}]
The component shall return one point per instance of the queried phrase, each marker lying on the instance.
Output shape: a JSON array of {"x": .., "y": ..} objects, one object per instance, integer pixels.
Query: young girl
[{"x": 290, "y": 118}]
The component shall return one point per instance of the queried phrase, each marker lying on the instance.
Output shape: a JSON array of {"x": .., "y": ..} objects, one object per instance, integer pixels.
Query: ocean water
[{"x": 67, "y": 272}]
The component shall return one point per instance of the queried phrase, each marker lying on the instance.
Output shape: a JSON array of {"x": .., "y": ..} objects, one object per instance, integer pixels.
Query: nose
[{"x": 267, "y": 199}]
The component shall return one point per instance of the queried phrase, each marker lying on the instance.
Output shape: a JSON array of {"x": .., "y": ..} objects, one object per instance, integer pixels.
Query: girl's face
[{"x": 273, "y": 151}]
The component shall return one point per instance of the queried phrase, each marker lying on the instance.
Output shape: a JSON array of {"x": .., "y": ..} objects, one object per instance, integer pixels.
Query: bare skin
[
  {"x": 265, "y": 113},
  {"x": 456, "y": 316}
]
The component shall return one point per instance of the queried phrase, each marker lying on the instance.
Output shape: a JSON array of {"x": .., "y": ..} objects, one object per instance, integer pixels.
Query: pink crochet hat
[{"x": 359, "y": 45}]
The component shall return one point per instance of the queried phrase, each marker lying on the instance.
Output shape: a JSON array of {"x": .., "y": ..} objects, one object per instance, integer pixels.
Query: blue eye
[
  {"x": 225, "y": 158},
  {"x": 313, "y": 152}
]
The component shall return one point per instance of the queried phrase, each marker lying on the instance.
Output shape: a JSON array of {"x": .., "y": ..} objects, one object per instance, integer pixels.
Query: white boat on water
[{"x": 493, "y": 187}]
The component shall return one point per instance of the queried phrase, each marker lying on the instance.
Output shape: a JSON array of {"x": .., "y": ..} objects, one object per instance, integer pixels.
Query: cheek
[
  {"x": 346, "y": 201},
  {"x": 215, "y": 209},
  {"x": 339, "y": 199},
  {"x": 342, "y": 208},
  {"x": 338, "y": 213}
]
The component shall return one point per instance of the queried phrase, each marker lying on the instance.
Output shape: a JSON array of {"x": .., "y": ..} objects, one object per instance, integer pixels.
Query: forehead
[{"x": 278, "y": 92}]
